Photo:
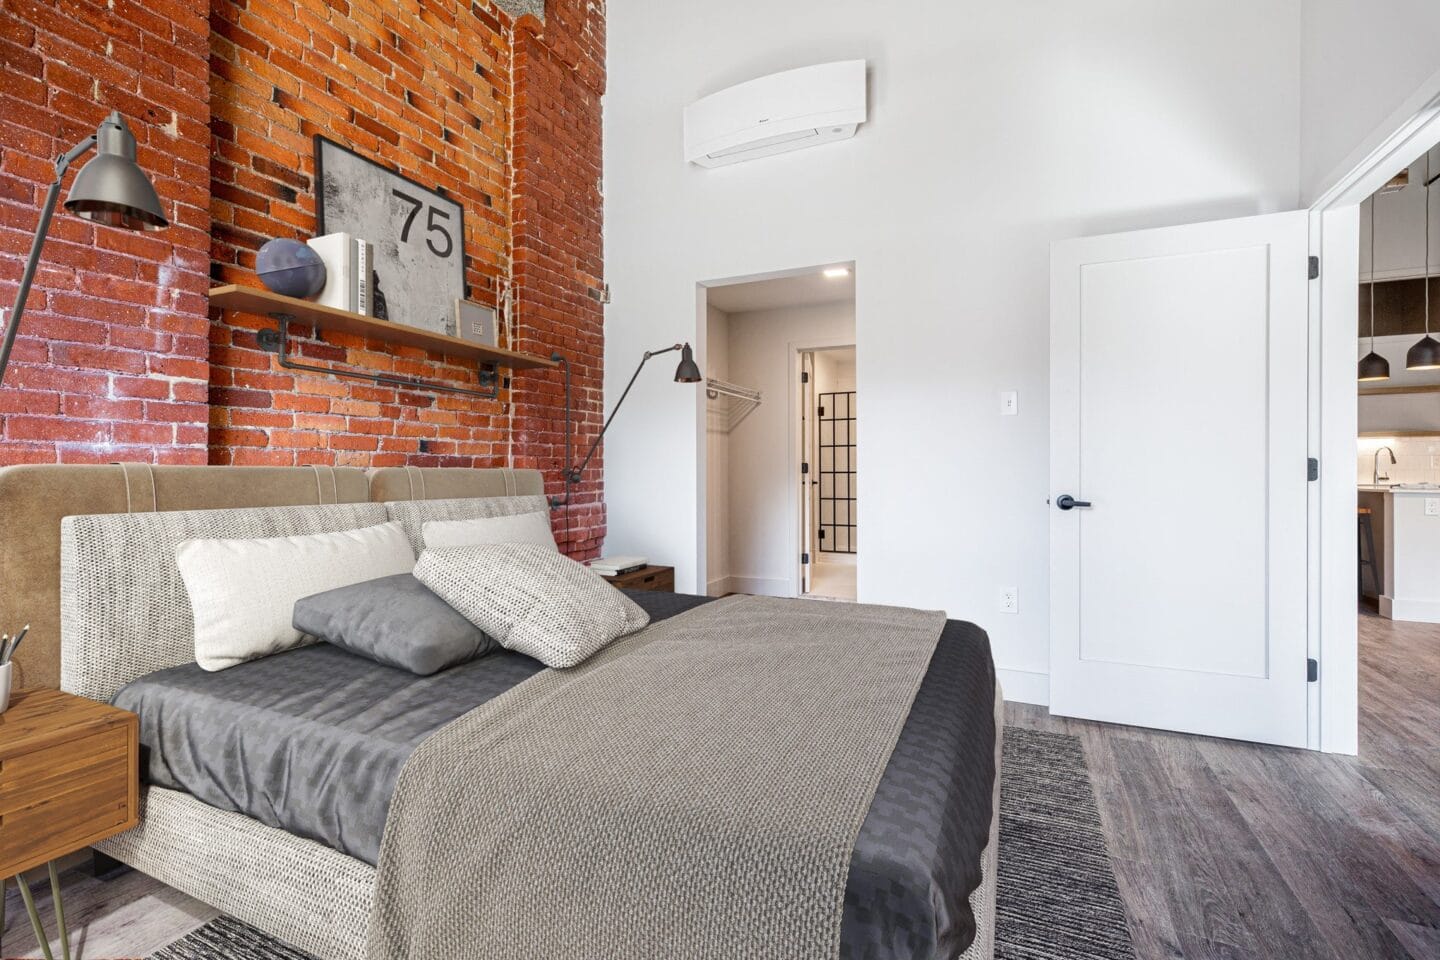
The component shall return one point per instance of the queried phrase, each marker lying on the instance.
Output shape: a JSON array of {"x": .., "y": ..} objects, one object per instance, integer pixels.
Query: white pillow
[
  {"x": 532, "y": 600},
  {"x": 515, "y": 528},
  {"x": 243, "y": 592}
]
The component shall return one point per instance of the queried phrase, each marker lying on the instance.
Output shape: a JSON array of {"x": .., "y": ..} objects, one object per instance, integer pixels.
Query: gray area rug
[{"x": 1057, "y": 897}]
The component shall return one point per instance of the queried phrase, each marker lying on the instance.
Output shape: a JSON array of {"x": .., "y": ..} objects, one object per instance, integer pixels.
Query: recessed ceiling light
[{"x": 835, "y": 273}]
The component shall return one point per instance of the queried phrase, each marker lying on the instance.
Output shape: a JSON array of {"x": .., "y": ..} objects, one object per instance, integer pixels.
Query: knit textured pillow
[{"x": 532, "y": 599}]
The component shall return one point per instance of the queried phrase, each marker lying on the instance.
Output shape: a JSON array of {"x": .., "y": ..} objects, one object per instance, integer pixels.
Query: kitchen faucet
[{"x": 1375, "y": 477}]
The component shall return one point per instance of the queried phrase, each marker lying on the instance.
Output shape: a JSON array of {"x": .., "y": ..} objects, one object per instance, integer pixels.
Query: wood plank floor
[{"x": 1222, "y": 850}]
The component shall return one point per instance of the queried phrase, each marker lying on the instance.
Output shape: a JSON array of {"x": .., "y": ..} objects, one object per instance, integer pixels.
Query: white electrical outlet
[
  {"x": 1009, "y": 403},
  {"x": 1010, "y": 600},
  {"x": 1432, "y": 506}
]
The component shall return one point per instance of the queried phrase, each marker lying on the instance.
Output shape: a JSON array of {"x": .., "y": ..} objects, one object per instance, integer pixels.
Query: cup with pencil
[{"x": 8, "y": 646}]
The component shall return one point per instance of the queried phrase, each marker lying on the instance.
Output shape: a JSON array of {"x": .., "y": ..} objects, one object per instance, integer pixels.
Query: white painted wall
[
  {"x": 996, "y": 129},
  {"x": 763, "y": 528},
  {"x": 1360, "y": 63}
]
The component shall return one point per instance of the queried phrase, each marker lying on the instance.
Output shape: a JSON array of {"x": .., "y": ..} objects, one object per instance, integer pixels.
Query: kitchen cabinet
[{"x": 1400, "y": 228}]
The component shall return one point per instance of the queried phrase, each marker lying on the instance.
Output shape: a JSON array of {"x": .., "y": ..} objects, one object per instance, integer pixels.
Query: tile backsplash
[{"x": 1417, "y": 459}]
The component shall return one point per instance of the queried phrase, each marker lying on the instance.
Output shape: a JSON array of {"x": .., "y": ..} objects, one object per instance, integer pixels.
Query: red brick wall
[
  {"x": 111, "y": 359},
  {"x": 124, "y": 361},
  {"x": 559, "y": 255},
  {"x": 424, "y": 89}
]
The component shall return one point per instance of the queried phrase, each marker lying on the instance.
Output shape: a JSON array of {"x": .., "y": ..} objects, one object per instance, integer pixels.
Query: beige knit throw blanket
[{"x": 691, "y": 792}]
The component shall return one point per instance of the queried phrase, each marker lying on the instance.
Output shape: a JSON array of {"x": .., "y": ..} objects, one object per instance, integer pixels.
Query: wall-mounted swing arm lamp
[
  {"x": 110, "y": 190},
  {"x": 686, "y": 372}
]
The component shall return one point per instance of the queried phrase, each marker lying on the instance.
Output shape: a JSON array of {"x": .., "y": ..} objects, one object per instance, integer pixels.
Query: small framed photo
[{"x": 475, "y": 322}]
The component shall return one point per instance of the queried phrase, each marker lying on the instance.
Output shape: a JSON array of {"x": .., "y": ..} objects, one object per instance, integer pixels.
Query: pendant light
[
  {"x": 1425, "y": 355},
  {"x": 1372, "y": 365}
]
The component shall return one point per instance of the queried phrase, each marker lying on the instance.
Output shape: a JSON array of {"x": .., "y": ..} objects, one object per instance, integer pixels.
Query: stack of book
[
  {"x": 615, "y": 566},
  {"x": 349, "y": 272}
]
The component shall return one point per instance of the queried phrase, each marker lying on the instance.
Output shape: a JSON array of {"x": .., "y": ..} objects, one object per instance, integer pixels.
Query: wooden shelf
[{"x": 263, "y": 302}]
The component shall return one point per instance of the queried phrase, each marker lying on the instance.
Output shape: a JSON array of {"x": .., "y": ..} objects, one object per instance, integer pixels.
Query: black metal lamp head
[
  {"x": 1374, "y": 367},
  {"x": 687, "y": 371},
  {"x": 1425, "y": 355},
  {"x": 112, "y": 189}
]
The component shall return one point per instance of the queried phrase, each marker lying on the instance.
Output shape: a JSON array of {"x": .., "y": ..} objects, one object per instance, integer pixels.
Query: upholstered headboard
[{"x": 34, "y": 498}]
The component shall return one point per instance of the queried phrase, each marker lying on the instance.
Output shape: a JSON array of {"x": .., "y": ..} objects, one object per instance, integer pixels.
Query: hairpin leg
[
  {"x": 4, "y": 882},
  {"x": 59, "y": 912},
  {"x": 40, "y": 937}
]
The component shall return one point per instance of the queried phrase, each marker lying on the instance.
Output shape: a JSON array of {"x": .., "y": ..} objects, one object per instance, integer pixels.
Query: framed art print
[{"x": 418, "y": 234}]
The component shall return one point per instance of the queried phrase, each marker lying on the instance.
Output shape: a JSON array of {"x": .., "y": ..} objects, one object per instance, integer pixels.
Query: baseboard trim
[
  {"x": 762, "y": 587},
  {"x": 1415, "y": 611},
  {"x": 1025, "y": 686}
]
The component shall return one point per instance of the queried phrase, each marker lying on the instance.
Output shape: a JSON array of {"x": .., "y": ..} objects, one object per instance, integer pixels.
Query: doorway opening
[
  {"x": 772, "y": 345},
  {"x": 1398, "y": 461}
]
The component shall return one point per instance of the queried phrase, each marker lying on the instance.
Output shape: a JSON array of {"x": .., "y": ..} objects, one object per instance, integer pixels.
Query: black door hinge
[
  {"x": 804, "y": 376},
  {"x": 821, "y": 413},
  {"x": 804, "y": 468},
  {"x": 1312, "y": 670},
  {"x": 1314, "y": 268},
  {"x": 804, "y": 558},
  {"x": 1312, "y": 469},
  {"x": 822, "y": 533}
]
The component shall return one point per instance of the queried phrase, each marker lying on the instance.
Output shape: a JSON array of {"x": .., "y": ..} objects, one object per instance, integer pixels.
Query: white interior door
[{"x": 1178, "y": 421}]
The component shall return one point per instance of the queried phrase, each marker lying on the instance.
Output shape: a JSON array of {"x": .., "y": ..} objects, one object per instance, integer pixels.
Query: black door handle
[{"x": 1067, "y": 502}]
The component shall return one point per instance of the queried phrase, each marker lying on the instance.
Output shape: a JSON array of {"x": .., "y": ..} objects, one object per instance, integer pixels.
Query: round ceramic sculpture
[{"x": 290, "y": 268}]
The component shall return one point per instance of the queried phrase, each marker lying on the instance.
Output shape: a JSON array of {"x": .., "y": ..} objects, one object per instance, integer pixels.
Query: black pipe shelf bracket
[{"x": 277, "y": 341}]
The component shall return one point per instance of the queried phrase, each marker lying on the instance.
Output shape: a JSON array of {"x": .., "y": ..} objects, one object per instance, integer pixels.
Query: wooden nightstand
[
  {"x": 650, "y": 577},
  {"x": 69, "y": 777}
]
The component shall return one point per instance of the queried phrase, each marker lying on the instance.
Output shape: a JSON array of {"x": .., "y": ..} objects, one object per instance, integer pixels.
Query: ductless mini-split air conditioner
[{"x": 776, "y": 114}]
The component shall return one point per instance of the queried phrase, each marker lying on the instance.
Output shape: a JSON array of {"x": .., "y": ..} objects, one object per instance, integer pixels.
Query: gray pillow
[{"x": 397, "y": 621}]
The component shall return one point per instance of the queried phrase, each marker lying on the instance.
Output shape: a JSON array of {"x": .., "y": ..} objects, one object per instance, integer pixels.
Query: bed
[{"x": 325, "y": 734}]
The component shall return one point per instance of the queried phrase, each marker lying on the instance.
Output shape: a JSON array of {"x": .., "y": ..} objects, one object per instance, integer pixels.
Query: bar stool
[{"x": 1365, "y": 548}]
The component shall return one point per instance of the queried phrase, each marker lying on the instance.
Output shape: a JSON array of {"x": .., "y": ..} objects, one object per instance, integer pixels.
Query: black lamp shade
[
  {"x": 1425, "y": 355},
  {"x": 1374, "y": 367},
  {"x": 688, "y": 372},
  {"x": 112, "y": 189}
]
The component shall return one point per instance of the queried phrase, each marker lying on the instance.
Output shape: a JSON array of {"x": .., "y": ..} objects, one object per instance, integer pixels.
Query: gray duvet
[{"x": 312, "y": 741}]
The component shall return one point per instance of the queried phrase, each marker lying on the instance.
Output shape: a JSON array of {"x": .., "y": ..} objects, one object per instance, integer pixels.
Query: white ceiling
[{"x": 803, "y": 290}]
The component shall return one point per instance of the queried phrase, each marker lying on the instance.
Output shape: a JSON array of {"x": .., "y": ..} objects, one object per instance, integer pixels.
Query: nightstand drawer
[
  {"x": 651, "y": 577},
  {"x": 45, "y": 774},
  {"x": 664, "y": 580},
  {"x": 65, "y": 821},
  {"x": 68, "y": 777}
]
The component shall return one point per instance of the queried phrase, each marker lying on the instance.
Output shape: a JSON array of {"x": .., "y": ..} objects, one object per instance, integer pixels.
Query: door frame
[
  {"x": 702, "y": 451},
  {"x": 1334, "y": 417},
  {"x": 795, "y": 348}
]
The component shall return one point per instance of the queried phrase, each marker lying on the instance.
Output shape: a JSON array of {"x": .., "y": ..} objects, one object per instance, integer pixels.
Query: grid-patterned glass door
[{"x": 838, "y": 520}]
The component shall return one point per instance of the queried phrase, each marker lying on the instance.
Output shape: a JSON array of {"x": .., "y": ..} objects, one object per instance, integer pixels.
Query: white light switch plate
[
  {"x": 1009, "y": 403},
  {"x": 1432, "y": 506},
  {"x": 1010, "y": 600}
]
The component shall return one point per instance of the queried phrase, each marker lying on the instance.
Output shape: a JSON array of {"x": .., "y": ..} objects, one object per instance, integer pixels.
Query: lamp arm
[
  {"x": 47, "y": 213},
  {"x": 578, "y": 471},
  {"x": 573, "y": 474}
]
